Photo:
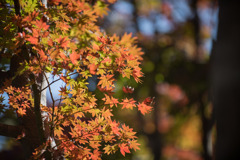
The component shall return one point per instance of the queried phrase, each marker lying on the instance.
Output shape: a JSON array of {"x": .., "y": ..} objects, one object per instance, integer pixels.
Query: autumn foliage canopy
[{"x": 63, "y": 36}]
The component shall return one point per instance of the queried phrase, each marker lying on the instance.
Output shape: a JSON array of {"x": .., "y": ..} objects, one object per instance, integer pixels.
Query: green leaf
[{"x": 28, "y": 5}]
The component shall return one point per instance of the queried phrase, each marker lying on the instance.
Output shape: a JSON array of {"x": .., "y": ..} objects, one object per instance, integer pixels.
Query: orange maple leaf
[
  {"x": 32, "y": 40},
  {"x": 137, "y": 74},
  {"x": 107, "y": 114},
  {"x": 134, "y": 145},
  {"x": 143, "y": 108},
  {"x": 42, "y": 55},
  {"x": 106, "y": 81},
  {"x": 74, "y": 57},
  {"x": 115, "y": 127},
  {"x": 58, "y": 131},
  {"x": 42, "y": 25},
  {"x": 64, "y": 42},
  {"x": 110, "y": 100},
  {"x": 128, "y": 103},
  {"x": 21, "y": 111},
  {"x": 92, "y": 68}
]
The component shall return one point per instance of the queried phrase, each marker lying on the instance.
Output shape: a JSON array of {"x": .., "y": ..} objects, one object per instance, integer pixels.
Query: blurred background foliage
[{"x": 176, "y": 36}]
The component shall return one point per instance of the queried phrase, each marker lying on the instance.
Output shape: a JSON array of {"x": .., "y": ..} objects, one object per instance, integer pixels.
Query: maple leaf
[
  {"x": 100, "y": 8},
  {"x": 62, "y": 55},
  {"x": 107, "y": 114},
  {"x": 108, "y": 149},
  {"x": 74, "y": 57},
  {"x": 127, "y": 39},
  {"x": 42, "y": 25},
  {"x": 137, "y": 74},
  {"x": 96, "y": 155},
  {"x": 92, "y": 68},
  {"x": 128, "y": 103},
  {"x": 126, "y": 128},
  {"x": 107, "y": 61},
  {"x": 21, "y": 111},
  {"x": 120, "y": 62},
  {"x": 95, "y": 144},
  {"x": 32, "y": 40},
  {"x": 124, "y": 148},
  {"x": 128, "y": 132},
  {"x": 58, "y": 131},
  {"x": 42, "y": 55},
  {"x": 110, "y": 100},
  {"x": 149, "y": 101},
  {"x": 31, "y": 16},
  {"x": 63, "y": 41},
  {"x": 62, "y": 26},
  {"x": 108, "y": 91},
  {"x": 143, "y": 108},
  {"x": 50, "y": 42},
  {"x": 134, "y": 145},
  {"x": 114, "y": 126},
  {"x": 127, "y": 73},
  {"x": 106, "y": 81},
  {"x": 95, "y": 46},
  {"x": 35, "y": 32}
]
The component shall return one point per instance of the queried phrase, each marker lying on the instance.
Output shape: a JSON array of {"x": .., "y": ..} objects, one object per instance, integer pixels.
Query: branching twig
[{"x": 56, "y": 81}]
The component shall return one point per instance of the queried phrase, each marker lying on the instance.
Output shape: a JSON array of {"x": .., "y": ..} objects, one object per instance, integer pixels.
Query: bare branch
[{"x": 56, "y": 81}]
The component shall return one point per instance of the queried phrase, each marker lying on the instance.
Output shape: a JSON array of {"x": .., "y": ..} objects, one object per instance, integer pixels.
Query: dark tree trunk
[
  {"x": 31, "y": 123},
  {"x": 226, "y": 81}
]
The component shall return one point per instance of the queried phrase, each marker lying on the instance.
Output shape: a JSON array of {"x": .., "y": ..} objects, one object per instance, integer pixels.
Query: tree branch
[
  {"x": 17, "y": 7},
  {"x": 10, "y": 130},
  {"x": 37, "y": 110},
  {"x": 48, "y": 86}
]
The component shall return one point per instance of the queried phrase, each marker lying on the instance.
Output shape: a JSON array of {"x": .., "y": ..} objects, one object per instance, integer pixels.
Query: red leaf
[
  {"x": 128, "y": 89},
  {"x": 149, "y": 101},
  {"x": 124, "y": 148},
  {"x": 108, "y": 91}
]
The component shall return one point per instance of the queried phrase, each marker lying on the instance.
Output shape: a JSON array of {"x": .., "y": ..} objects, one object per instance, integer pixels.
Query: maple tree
[{"x": 62, "y": 39}]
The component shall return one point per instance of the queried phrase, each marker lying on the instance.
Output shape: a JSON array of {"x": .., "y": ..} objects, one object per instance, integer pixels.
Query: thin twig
[{"x": 56, "y": 81}]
